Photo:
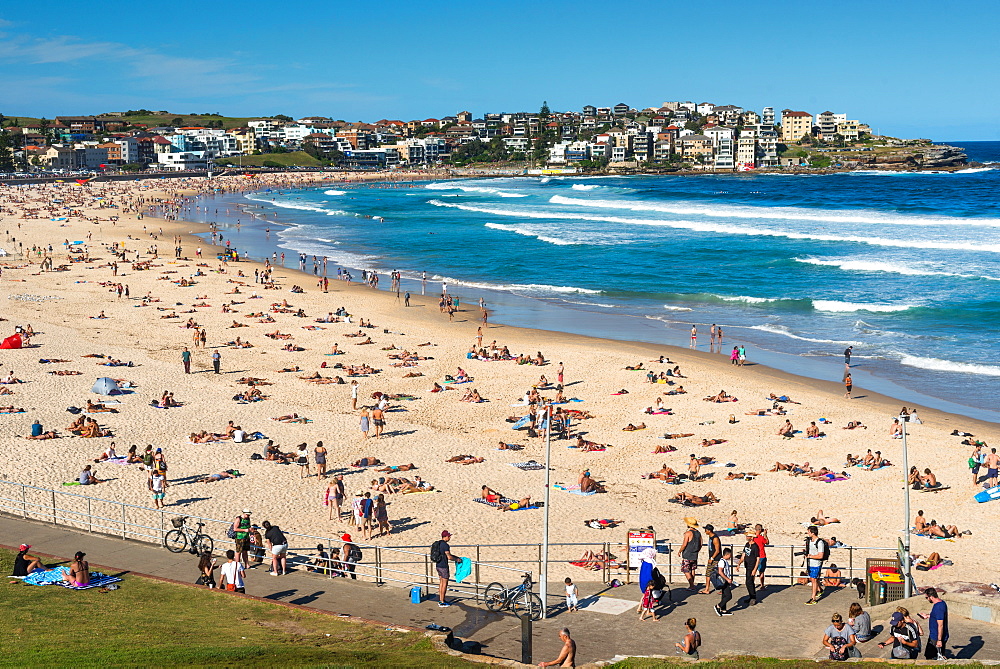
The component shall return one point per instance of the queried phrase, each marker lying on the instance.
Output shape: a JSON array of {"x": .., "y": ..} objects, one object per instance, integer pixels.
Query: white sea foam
[
  {"x": 453, "y": 185},
  {"x": 684, "y": 208},
  {"x": 335, "y": 192},
  {"x": 837, "y": 306},
  {"x": 670, "y": 307},
  {"x": 284, "y": 204},
  {"x": 782, "y": 330},
  {"x": 722, "y": 229},
  {"x": 748, "y": 299},
  {"x": 888, "y": 266},
  {"x": 938, "y": 365},
  {"x": 968, "y": 170},
  {"x": 527, "y": 232},
  {"x": 584, "y": 186},
  {"x": 516, "y": 287}
]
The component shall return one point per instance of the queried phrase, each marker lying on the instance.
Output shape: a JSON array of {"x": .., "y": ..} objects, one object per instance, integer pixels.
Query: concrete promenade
[{"x": 781, "y": 626}]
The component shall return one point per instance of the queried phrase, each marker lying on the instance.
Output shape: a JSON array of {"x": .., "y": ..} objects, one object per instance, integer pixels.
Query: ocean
[{"x": 903, "y": 266}]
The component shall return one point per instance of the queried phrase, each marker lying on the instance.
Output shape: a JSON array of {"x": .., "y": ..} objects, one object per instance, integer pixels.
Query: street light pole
[
  {"x": 907, "y": 585},
  {"x": 544, "y": 584}
]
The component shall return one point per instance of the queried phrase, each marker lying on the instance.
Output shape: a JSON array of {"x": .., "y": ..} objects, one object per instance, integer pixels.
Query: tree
[
  {"x": 282, "y": 117},
  {"x": 176, "y": 121},
  {"x": 44, "y": 128},
  {"x": 6, "y": 152}
]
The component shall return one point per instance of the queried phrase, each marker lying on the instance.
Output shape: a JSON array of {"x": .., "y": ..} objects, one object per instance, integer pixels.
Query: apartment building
[{"x": 795, "y": 125}]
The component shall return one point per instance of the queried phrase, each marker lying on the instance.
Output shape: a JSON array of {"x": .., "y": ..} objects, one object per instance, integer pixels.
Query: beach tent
[
  {"x": 106, "y": 386},
  {"x": 3, "y": 252},
  {"x": 13, "y": 341}
]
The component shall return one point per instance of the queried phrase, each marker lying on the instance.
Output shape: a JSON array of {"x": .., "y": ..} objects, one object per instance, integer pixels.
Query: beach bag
[
  {"x": 839, "y": 651},
  {"x": 231, "y": 533},
  {"x": 972, "y": 462},
  {"x": 231, "y": 587},
  {"x": 717, "y": 581},
  {"x": 355, "y": 555}
]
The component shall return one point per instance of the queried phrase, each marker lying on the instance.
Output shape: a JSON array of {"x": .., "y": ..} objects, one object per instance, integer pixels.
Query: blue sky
[{"x": 908, "y": 68}]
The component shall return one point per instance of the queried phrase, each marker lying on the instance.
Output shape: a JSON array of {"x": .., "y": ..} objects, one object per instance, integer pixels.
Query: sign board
[{"x": 638, "y": 542}]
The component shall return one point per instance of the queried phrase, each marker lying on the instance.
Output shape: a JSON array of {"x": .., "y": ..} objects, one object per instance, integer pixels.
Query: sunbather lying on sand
[
  {"x": 723, "y": 396},
  {"x": 782, "y": 398},
  {"x": 853, "y": 425},
  {"x": 465, "y": 459},
  {"x": 291, "y": 418},
  {"x": 390, "y": 468},
  {"x": 417, "y": 485},
  {"x": 664, "y": 448},
  {"x": 632, "y": 428},
  {"x": 678, "y": 435},
  {"x": 665, "y": 473},
  {"x": 695, "y": 500},
  {"x": 585, "y": 445},
  {"x": 819, "y": 519},
  {"x": 99, "y": 408},
  {"x": 713, "y": 442},
  {"x": 209, "y": 478},
  {"x": 732, "y": 476},
  {"x": 51, "y": 434}
]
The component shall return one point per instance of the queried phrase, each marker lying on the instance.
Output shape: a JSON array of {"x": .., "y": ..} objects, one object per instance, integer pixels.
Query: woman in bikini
[{"x": 79, "y": 570}]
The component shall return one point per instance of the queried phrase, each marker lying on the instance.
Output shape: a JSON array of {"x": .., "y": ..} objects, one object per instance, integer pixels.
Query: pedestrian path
[{"x": 781, "y": 626}]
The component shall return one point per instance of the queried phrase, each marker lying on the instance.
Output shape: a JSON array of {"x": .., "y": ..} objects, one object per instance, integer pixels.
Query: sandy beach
[{"x": 148, "y": 329}]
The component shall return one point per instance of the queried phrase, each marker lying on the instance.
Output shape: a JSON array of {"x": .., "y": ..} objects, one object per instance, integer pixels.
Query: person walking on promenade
[
  {"x": 714, "y": 554},
  {"x": 216, "y": 361},
  {"x": 724, "y": 582},
  {"x": 749, "y": 557},
  {"x": 186, "y": 359},
  {"x": 761, "y": 540},
  {"x": 232, "y": 573},
  {"x": 441, "y": 556},
  {"x": 351, "y": 555},
  {"x": 567, "y": 656},
  {"x": 817, "y": 551},
  {"x": 241, "y": 533},
  {"x": 937, "y": 628},
  {"x": 277, "y": 546},
  {"x": 690, "y": 546}
]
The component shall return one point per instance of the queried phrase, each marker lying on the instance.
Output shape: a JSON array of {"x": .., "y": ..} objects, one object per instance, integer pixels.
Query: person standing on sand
[
  {"x": 694, "y": 336},
  {"x": 335, "y": 496},
  {"x": 158, "y": 487},
  {"x": 186, "y": 359},
  {"x": 847, "y": 355},
  {"x": 216, "y": 361},
  {"x": 848, "y": 385},
  {"x": 992, "y": 463},
  {"x": 354, "y": 395},
  {"x": 202, "y": 337},
  {"x": 196, "y": 337},
  {"x": 406, "y": 299},
  {"x": 559, "y": 375},
  {"x": 365, "y": 423},
  {"x": 320, "y": 454},
  {"x": 378, "y": 418}
]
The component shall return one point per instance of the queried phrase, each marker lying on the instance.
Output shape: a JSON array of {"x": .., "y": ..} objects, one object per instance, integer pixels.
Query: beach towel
[
  {"x": 864, "y": 466},
  {"x": 528, "y": 466},
  {"x": 574, "y": 490},
  {"x": 836, "y": 478},
  {"x": 504, "y": 501},
  {"x": 46, "y": 576},
  {"x": 523, "y": 422},
  {"x": 97, "y": 580},
  {"x": 463, "y": 568}
]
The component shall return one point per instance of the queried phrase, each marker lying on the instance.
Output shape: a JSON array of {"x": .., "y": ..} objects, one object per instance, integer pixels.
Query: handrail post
[
  {"x": 123, "y": 523},
  {"x": 791, "y": 565},
  {"x": 329, "y": 559},
  {"x": 378, "y": 565},
  {"x": 24, "y": 502},
  {"x": 850, "y": 563},
  {"x": 539, "y": 559},
  {"x": 478, "y": 581},
  {"x": 90, "y": 516},
  {"x": 54, "y": 521}
]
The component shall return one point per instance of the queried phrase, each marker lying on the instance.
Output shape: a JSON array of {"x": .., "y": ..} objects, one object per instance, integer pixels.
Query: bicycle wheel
[
  {"x": 528, "y": 604},
  {"x": 203, "y": 544},
  {"x": 175, "y": 541},
  {"x": 494, "y": 597}
]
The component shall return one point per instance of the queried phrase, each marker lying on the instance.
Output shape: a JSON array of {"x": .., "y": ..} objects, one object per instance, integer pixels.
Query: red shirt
[{"x": 761, "y": 541}]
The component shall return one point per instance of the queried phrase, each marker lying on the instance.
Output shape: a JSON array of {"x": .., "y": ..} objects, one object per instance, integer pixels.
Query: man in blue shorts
[{"x": 815, "y": 554}]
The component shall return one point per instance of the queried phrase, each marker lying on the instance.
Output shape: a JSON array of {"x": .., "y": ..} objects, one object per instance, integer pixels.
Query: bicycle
[
  {"x": 178, "y": 539},
  {"x": 519, "y": 599}
]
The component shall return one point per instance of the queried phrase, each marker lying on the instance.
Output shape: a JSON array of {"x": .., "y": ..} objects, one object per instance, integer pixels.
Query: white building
[{"x": 183, "y": 160}]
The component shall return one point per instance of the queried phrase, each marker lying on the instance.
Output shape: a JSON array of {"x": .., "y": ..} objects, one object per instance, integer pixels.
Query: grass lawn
[
  {"x": 292, "y": 159},
  {"x": 149, "y": 623}
]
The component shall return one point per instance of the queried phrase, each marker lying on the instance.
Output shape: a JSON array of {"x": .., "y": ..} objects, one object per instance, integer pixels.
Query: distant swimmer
[{"x": 847, "y": 355}]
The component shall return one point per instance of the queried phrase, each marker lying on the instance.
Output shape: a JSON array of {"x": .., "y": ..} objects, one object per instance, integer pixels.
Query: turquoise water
[{"x": 903, "y": 266}]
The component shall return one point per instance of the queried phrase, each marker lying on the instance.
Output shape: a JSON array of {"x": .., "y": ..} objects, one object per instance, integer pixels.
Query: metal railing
[{"x": 405, "y": 565}]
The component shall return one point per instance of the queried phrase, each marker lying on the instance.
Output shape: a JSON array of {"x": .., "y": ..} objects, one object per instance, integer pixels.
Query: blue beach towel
[{"x": 463, "y": 568}]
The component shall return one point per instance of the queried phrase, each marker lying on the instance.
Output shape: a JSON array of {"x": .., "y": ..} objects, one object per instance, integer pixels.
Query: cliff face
[{"x": 925, "y": 157}]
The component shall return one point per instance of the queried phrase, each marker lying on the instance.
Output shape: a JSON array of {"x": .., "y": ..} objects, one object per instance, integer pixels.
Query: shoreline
[
  {"x": 435, "y": 427},
  {"x": 520, "y": 310}
]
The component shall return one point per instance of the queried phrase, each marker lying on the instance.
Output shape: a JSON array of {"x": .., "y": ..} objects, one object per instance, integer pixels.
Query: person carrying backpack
[
  {"x": 817, "y": 552},
  {"x": 441, "y": 556},
  {"x": 351, "y": 555}
]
